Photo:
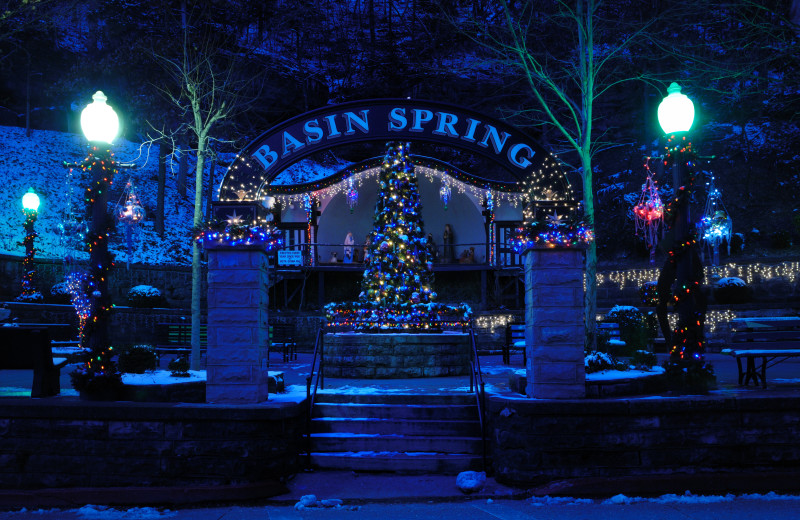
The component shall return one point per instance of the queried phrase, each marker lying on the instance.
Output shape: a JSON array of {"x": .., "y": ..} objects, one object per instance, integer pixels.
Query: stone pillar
[
  {"x": 238, "y": 327},
  {"x": 554, "y": 329}
]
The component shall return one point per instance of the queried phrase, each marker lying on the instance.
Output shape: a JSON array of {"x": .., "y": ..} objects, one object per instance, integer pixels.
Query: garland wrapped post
[
  {"x": 30, "y": 208},
  {"x": 91, "y": 297},
  {"x": 683, "y": 266},
  {"x": 397, "y": 285}
]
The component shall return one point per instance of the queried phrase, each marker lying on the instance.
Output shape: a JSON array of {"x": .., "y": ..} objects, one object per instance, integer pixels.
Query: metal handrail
[
  {"x": 477, "y": 385},
  {"x": 319, "y": 344}
]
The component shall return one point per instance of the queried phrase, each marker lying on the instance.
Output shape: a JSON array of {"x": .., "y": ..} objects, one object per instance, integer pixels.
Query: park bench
[
  {"x": 515, "y": 339},
  {"x": 772, "y": 340},
  {"x": 28, "y": 347},
  {"x": 281, "y": 336},
  {"x": 176, "y": 338}
]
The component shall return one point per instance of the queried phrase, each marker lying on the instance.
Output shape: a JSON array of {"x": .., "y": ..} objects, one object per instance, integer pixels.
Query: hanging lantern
[
  {"x": 648, "y": 213},
  {"x": 444, "y": 192},
  {"x": 716, "y": 225},
  {"x": 352, "y": 195},
  {"x": 130, "y": 213}
]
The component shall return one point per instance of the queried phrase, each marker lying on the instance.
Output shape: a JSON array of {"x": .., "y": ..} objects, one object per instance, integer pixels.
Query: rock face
[
  {"x": 470, "y": 481},
  {"x": 387, "y": 356}
]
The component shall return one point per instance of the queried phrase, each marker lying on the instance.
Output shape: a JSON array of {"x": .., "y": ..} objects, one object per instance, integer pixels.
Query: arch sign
[{"x": 385, "y": 120}]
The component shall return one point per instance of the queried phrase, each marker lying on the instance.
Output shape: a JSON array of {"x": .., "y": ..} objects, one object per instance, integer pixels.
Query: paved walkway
[{"x": 782, "y": 378}]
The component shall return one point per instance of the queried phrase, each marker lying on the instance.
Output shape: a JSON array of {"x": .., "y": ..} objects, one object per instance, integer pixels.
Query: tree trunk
[
  {"x": 197, "y": 273},
  {"x": 162, "y": 181},
  {"x": 212, "y": 174},
  {"x": 183, "y": 168},
  {"x": 590, "y": 303}
]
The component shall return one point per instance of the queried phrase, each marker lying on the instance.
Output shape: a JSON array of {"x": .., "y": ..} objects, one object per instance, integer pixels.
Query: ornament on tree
[
  {"x": 715, "y": 226},
  {"x": 648, "y": 214}
]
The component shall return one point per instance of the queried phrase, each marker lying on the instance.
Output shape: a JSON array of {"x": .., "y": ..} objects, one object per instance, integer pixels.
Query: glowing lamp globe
[
  {"x": 30, "y": 200},
  {"x": 676, "y": 111},
  {"x": 99, "y": 122}
]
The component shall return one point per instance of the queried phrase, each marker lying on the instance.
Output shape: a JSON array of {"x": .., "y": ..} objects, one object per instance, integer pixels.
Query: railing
[
  {"x": 477, "y": 385},
  {"x": 319, "y": 381},
  {"x": 466, "y": 253}
]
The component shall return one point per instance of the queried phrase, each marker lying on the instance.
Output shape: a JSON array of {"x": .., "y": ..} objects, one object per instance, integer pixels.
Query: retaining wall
[
  {"x": 71, "y": 443},
  {"x": 535, "y": 441}
]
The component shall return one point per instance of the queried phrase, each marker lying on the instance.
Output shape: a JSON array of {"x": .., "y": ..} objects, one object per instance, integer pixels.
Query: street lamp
[
  {"x": 100, "y": 125},
  {"x": 686, "y": 341},
  {"x": 30, "y": 208}
]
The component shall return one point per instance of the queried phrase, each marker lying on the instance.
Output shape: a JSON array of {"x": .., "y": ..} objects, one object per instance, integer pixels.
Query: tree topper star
[
  {"x": 554, "y": 220},
  {"x": 234, "y": 219}
]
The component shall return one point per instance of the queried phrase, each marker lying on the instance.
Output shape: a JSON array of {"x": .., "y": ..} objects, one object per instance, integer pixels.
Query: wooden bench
[
  {"x": 28, "y": 347},
  {"x": 176, "y": 338},
  {"x": 281, "y": 335},
  {"x": 773, "y": 340},
  {"x": 515, "y": 338}
]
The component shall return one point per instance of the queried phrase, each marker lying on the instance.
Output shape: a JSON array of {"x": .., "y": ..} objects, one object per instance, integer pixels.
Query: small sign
[{"x": 290, "y": 257}]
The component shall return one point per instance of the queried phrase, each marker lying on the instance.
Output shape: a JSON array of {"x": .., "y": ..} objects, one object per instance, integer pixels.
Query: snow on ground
[
  {"x": 610, "y": 375},
  {"x": 162, "y": 377}
]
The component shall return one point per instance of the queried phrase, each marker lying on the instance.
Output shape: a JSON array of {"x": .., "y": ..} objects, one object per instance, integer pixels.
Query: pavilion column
[
  {"x": 554, "y": 328},
  {"x": 238, "y": 326}
]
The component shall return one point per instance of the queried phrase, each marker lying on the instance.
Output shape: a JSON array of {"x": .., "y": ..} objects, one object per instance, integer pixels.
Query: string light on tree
[{"x": 397, "y": 282}]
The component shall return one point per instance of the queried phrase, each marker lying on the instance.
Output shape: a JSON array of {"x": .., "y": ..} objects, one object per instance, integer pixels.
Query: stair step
[
  {"x": 338, "y": 442},
  {"x": 398, "y": 426},
  {"x": 396, "y": 398},
  {"x": 397, "y": 411},
  {"x": 400, "y": 462}
]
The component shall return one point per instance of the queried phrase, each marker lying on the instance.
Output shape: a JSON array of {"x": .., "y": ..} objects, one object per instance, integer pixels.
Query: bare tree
[
  {"x": 563, "y": 77},
  {"x": 207, "y": 91}
]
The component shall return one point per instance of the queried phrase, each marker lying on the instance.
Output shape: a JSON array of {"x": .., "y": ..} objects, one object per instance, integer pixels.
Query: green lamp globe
[
  {"x": 676, "y": 111},
  {"x": 99, "y": 122},
  {"x": 30, "y": 200}
]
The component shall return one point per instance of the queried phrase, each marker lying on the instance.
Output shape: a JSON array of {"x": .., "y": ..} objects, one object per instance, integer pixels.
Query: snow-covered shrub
[
  {"x": 145, "y": 296},
  {"x": 179, "y": 366},
  {"x": 635, "y": 328},
  {"x": 598, "y": 361},
  {"x": 35, "y": 297},
  {"x": 732, "y": 290},
  {"x": 137, "y": 359},
  {"x": 643, "y": 359},
  {"x": 59, "y": 293}
]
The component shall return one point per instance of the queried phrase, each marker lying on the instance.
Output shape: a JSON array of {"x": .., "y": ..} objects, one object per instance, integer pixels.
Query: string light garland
[
  {"x": 397, "y": 282},
  {"x": 241, "y": 235},
  {"x": 687, "y": 339},
  {"x": 31, "y": 213},
  {"x": 89, "y": 291}
]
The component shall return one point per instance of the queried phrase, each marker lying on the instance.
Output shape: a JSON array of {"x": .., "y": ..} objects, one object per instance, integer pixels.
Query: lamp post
[
  {"x": 100, "y": 125},
  {"x": 30, "y": 208},
  {"x": 686, "y": 341}
]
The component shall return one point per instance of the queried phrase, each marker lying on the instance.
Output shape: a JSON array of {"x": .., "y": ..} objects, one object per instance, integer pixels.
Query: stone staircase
[{"x": 402, "y": 433}]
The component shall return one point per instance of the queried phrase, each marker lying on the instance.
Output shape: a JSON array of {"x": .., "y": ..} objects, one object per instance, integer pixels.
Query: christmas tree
[{"x": 396, "y": 288}]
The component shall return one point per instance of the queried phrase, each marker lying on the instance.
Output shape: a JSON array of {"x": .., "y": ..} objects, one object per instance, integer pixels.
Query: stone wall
[
  {"x": 539, "y": 441},
  {"x": 386, "y": 356},
  {"x": 69, "y": 443},
  {"x": 174, "y": 281}
]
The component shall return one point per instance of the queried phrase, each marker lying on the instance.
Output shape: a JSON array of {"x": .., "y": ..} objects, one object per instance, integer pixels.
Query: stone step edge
[
  {"x": 390, "y": 455},
  {"x": 380, "y": 436}
]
